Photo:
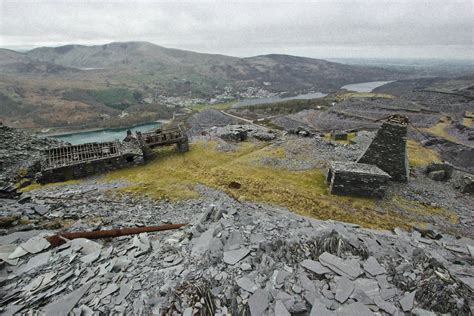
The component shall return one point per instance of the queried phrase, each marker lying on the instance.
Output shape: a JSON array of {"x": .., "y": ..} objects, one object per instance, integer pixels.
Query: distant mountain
[
  {"x": 84, "y": 85},
  {"x": 19, "y": 63},
  {"x": 136, "y": 55},
  {"x": 283, "y": 72}
]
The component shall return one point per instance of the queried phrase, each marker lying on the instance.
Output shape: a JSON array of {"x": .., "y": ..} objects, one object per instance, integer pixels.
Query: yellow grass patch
[
  {"x": 467, "y": 121},
  {"x": 419, "y": 156},
  {"x": 349, "y": 95},
  {"x": 217, "y": 106},
  {"x": 440, "y": 130}
]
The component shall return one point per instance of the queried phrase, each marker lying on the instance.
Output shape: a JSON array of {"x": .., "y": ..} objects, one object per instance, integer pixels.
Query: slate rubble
[
  {"x": 21, "y": 158},
  {"x": 234, "y": 257}
]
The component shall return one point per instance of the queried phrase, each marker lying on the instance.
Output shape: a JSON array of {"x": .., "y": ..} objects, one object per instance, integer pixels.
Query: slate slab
[
  {"x": 373, "y": 267},
  {"x": 407, "y": 301},
  {"x": 85, "y": 246},
  {"x": 66, "y": 303},
  {"x": 234, "y": 256},
  {"x": 306, "y": 283},
  {"x": 17, "y": 253},
  {"x": 344, "y": 289},
  {"x": 247, "y": 285},
  {"x": 259, "y": 302},
  {"x": 356, "y": 308},
  {"x": 319, "y": 309},
  {"x": 385, "y": 306},
  {"x": 202, "y": 243},
  {"x": 111, "y": 288},
  {"x": 350, "y": 269},
  {"x": 41, "y": 209},
  {"x": 35, "y": 262},
  {"x": 369, "y": 286},
  {"x": 422, "y": 312},
  {"x": 280, "y": 309},
  {"x": 360, "y": 296},
  {"x": 315, "y": 267},
  {"x": 91, "y": 257}
]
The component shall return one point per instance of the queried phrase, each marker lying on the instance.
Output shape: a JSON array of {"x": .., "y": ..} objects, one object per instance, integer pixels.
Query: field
[{"x": 239, "y": 173}]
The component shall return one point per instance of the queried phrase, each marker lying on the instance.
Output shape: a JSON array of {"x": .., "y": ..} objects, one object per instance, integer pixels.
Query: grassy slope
[
  {"x": 440, "y": 130},
  {"x": 174, "y": 176},
  {"x": 217, "y": 106},
  {"x": 420, "y": 156}
]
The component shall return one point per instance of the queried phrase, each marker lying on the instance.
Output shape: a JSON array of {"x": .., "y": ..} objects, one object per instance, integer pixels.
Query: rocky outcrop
[{"x": 238, "y": 133}]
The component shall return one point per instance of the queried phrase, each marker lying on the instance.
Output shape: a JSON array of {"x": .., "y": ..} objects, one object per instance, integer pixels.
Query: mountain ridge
[{"x": 80, "y": 85}]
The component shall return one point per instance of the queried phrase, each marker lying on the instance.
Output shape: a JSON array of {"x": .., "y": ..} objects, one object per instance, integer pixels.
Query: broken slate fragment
[
  {"x": 315, "y": 267},
  {"x": 407, "y": 301},
  {"x": 344, "y": 289},
  {"x": 280, "y": 309},
  {"x": 422, "y": 312},
  {"x": 41, "y": 209},
  {"x": 35, "y": 244},
  {"x": 356, "y": 308},
  {"x": 125, "y": 289},
  {"x": 247, "y": 285},
  {"x": 188, "y": 311},
  {"x": 373, "y": 267},
  {"x": 281, "y": 276},
  {"x": 234, "y": 256},
  {"x": 12, "y": 262},
  {"x": 85, "y": 246},
  {"x": 245, "y": 266},
  {"x": 66, "y": 303},
  {"x": 202, "y": 243},
  {"x": 471, "y": 250},
  {"x": 35, "y": 262},
  {"x": 348, "y": 268},
  {"x": 19, "y": 252},
  {"x": 111, "y": 288},
  {"x": 385, "y": 306},
  {"x": 258, "y": 302},
  {"x": 360, "y": 296},
  {"x": 306, "y": 283},
  {"x": 91, "y": 257},
  {"x": 319, "y": 309}
]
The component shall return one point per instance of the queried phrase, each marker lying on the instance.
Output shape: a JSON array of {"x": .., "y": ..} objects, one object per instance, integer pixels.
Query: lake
[
  {"x": 364, "y": 86},
  {"x": 103, "y": 135},
  {"x": 357, "y": 87},
  {"x": 250, "y": 102}
]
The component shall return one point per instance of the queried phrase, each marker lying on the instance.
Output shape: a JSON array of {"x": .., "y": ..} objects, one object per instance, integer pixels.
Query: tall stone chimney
[{"x": 388, "y": 149}]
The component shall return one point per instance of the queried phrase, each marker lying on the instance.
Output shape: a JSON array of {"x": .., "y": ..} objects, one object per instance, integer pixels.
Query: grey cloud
[{"x": 247, "y": 28}]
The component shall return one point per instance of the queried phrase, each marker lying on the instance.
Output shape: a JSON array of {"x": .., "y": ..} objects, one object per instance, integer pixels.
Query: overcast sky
[{"x": 324, "y": 29}]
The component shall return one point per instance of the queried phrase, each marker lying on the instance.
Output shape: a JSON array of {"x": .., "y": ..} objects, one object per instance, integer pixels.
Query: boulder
[{"x": 439, "y": 171}]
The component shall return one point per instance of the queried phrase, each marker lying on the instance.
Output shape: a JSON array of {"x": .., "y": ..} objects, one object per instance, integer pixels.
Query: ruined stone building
[
  {"x": 78, "y": 161},
  {"x": 388, "y": 149},
  {"x": 350, "y": 178}
]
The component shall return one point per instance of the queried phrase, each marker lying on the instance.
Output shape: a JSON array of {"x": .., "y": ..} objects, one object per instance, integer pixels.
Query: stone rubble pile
[
  {"x": 206, "y": 119},
  {"x": 20, "y": 153},
  {"x": 233, "y": 258},
  {"x": 238, "y": 133}
]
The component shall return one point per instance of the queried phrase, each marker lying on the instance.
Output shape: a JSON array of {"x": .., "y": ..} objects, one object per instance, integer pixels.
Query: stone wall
[
  {"x": 90, "y": 168},
  {"x": 388, "y": 150},
  {"x": 356, "y": 179}
]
